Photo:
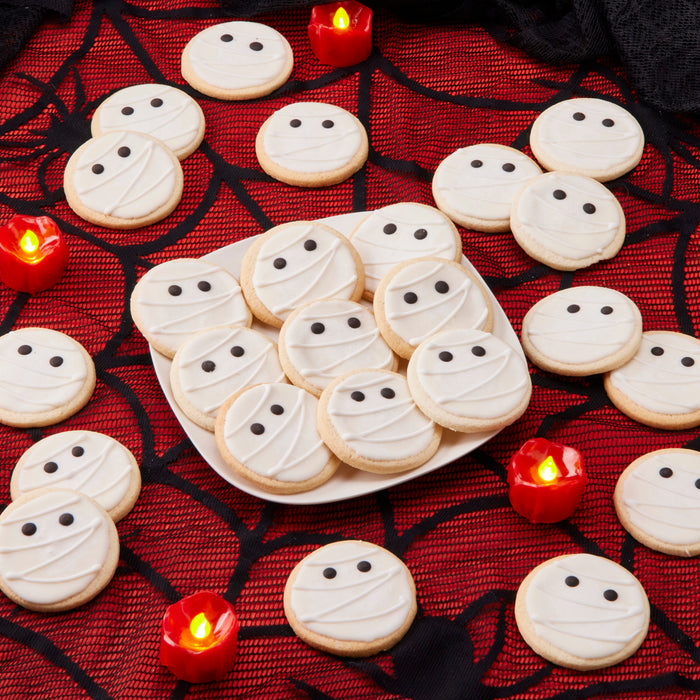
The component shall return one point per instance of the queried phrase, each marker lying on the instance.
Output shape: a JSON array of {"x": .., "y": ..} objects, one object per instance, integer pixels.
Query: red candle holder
[
  {"x": 199, "y": 638},
  {"x": 341, "y": 33},
  {"x": 546, "y": 481},
  {"x": 33, "y": 254}
]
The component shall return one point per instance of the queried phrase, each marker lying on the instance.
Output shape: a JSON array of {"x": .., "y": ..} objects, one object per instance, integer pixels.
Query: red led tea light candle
[
  {"x": 341, "y": 33},
  {"x": 199, "y": 638},
  {"x": 546, "y": 481}
]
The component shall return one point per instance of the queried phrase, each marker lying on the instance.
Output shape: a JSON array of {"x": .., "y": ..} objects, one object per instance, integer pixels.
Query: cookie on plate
[
  {"x": 420, "y": 297},
  {"x": 350, "y": 598},
  {"x": 475, "y": 186},
  {"x": 567, "y": 221},
  {"x": 581, "y": 331},
  {"x": 311, "y": 144},
  {"x": 324, "y": 339},
  {"x": 589, "y": 136},
  {"x": 45, "y": 377},
  {"x": 582, "y": 611},
  {"x": 92, "y": 463},
  {"x": 237, "y": 60}
]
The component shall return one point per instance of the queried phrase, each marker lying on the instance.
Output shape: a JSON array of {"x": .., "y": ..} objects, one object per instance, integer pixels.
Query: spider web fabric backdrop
[{"x": 424, "y": 92}]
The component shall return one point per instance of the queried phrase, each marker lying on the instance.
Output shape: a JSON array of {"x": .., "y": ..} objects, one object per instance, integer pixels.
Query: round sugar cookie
[
  {"x": 468, "y": 380},
  {"x": 582, "y": 611},
  {"x": 324, "y": 339},
  {"x": 237, "y": 60},
  {"x": 582, "y": 331},
  {"x": 123, "y": 180},
  {"x": 212, "y": 365},
  {"x": 350, "y": 598},
  {"x": 45, "y": 377},
  {"x": 178, "y": 298},
  {"x": 401, "y": 232},
  {"x": 420, "y": 297},
  {"x": 369, "y": 419},
  {"x": 58, "y": 550},
  {"x": 567, "y": 221},
  {"x": 475, "y": 186},
  {"x": 311, "y": 144},
  {"x": 586, "y": 135},
  {"x": 295, "y": 263},
  {"x": 660, "y": 385},
  {"x": 161, "y": 111},
  {"x": 92, "y": 463},
  {"x": 657, "y": 499},
  {"x": 267, "y": 434}
]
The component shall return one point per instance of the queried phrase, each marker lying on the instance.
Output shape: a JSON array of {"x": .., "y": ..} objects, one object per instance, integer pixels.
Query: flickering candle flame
[
  {"x": 29, "y": 242},
  {"x": 547, "y": 470},
  {"x": 200, "y": 627},
  {"x": 341, "y": 19}
]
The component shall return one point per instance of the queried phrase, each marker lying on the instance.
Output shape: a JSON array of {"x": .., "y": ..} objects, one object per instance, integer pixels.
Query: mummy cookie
[
  {"x": 58, "y": 549},
  {"x": 123, "y": 180},
  {"x": 475, "y": 186},
  {"x": 657, "y": 501},
  {"x": 401, "y": 232},
  {"x": 350, "y": 598},
  {"x": 469, "y": 380},
  {"x": 45, "y": 377},
  {"x": 418, "y": 298},
  {"x": 214, "y": 364},
  {"x": 567, "y": 221},
  {"x": 582, "y": 331},
  {"x": 267, "y": 434},
  {"x": 311, "y": 144},
  {"x": 660, "y": 385},
  {"x": 582, "y": 611},
  {"x": 81, "y": 460},
  {"x": 368, "y": 419},
  {"x": 589, "y": 136},
  {"x": 179, "y": 298},
  {"x": 324, "y": 339},
  {"x": 296, "y": 263},
  {"x": 161, "y": 111}
]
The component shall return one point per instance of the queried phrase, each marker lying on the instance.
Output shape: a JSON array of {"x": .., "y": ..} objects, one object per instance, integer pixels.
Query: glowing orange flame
[
  {"x": 547, "y": 470},
  {"x": 29, "y": 243},
  {"x": 200, "y": 627},
  {"x": 341, "y": 19}
]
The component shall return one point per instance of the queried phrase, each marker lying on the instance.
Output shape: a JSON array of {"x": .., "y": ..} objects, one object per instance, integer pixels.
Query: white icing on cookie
[
  {"x": 312, "y": 137},
  {"x": 53, "y": 546},
  {"x": 271, "y": 430},
  {"x": 40, "y": 370},
  {"x": 586, "y": 606},
  {"x": 330, "y": 337},
  {"x": 352, "y": 591},
  {"x": 400, "y": 232},
  {"x": 664, "y": 375},
  {"x": 374, "y": 413}
]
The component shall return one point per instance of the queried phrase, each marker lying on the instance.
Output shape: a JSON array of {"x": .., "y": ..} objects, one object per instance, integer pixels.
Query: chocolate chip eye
[
  {"x": 276, "y": 409},
  {"x": 354, "y": 322},
  {"x": 387, "y": 393},
  {"x": 571, "y": 581},
  {"x": 608, "y": 122},
  {"x": 330, "y": 572},
  {"x": 24, "y": 349},
  {"x": 279, "y": 263},
  {"x": 579, "y": 116},
  {"x": 363, "y": 566},
  {"x": 657, "y": 351},
  {"x": 123, "y": 151},
  {"x": 687, "y": 361},
  {"x": 573, "y": 308},
  {"x": 203, "y": 286},
  {"x": 77, "y": 451},
  {"x": 589, "y": 208},
  {"x": 226, "y": 38},
  {"x": 476, "y": 163},
  {"x": 174, "y": 290},
  {"x": 446, "y": 356},
  {"x": 256, "y": 46},
  {"x": 508, "y": 167},
  {"x": 56, "y": 361},
  {"x": 127, "y": 111},
  {"x": 665, "y": 472},
  {"x": 327, "y": 123},
  {"x": 317, "y": 328},
  {"x": 98, "y": 168},
  {"x": 257, "y": 428},
  {"x": 310, "y": 245},
  {"x": 208, "y": 366},
  {"x": 295, "y": 123},
  {"x": 606, "y": 310},
  {"x": 559, "y": 194},
  {"x": 66, "y": 519},
  {"x": 441, "y": 287},
  {"x": 28, "y": 529},
  {"x": 410, "y": 298},
  {"x": 478, "y": 351},
  {"x": 357, "y": 396},
  {"x": 237, "y": 351},
  {"x": 697, "y": 483},
  {"x": 156, "y": 102},
  {"x": 420, "y": 234},
  {"x": 610, "y": 594},
  {"x": 50, "y": 467},
  {"x": 389, "y": 229}
]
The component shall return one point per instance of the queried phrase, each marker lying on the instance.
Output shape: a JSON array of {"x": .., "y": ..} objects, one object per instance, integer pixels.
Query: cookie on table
[
  {"x": 92, "y": 463},
  {"x": 178, "y": 298},
  {"x": 161, "y": 111},
  {"x": 212, "y": 365},
  {"x": 469, "y": 381},
  {"x": 369, "y": 419},
  {"x": 420, "y": 297},
  {"x": 123, "y": 180},
  {"x": 58, "y": 550},
  {"x": 567, "y": 221},
  {"x": 582, "y": 611},
  {"x": 582, "y": 331},
  {"x": 401, "y": 232},
  {"x": 657, "y": 501},
  {"x": 45, "y": 377},
  {"x": 350, "y": 598},
  {"x": 295, "y": 263},
  {"x": 589, "y": 136},
  {"x": 237, "y": 60},
  {"x": 660, "y": 385},
  {"x": 267, "y": 434},
  {"x": 311, "y": 144},
  {"x": 324, "y": 339}
]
